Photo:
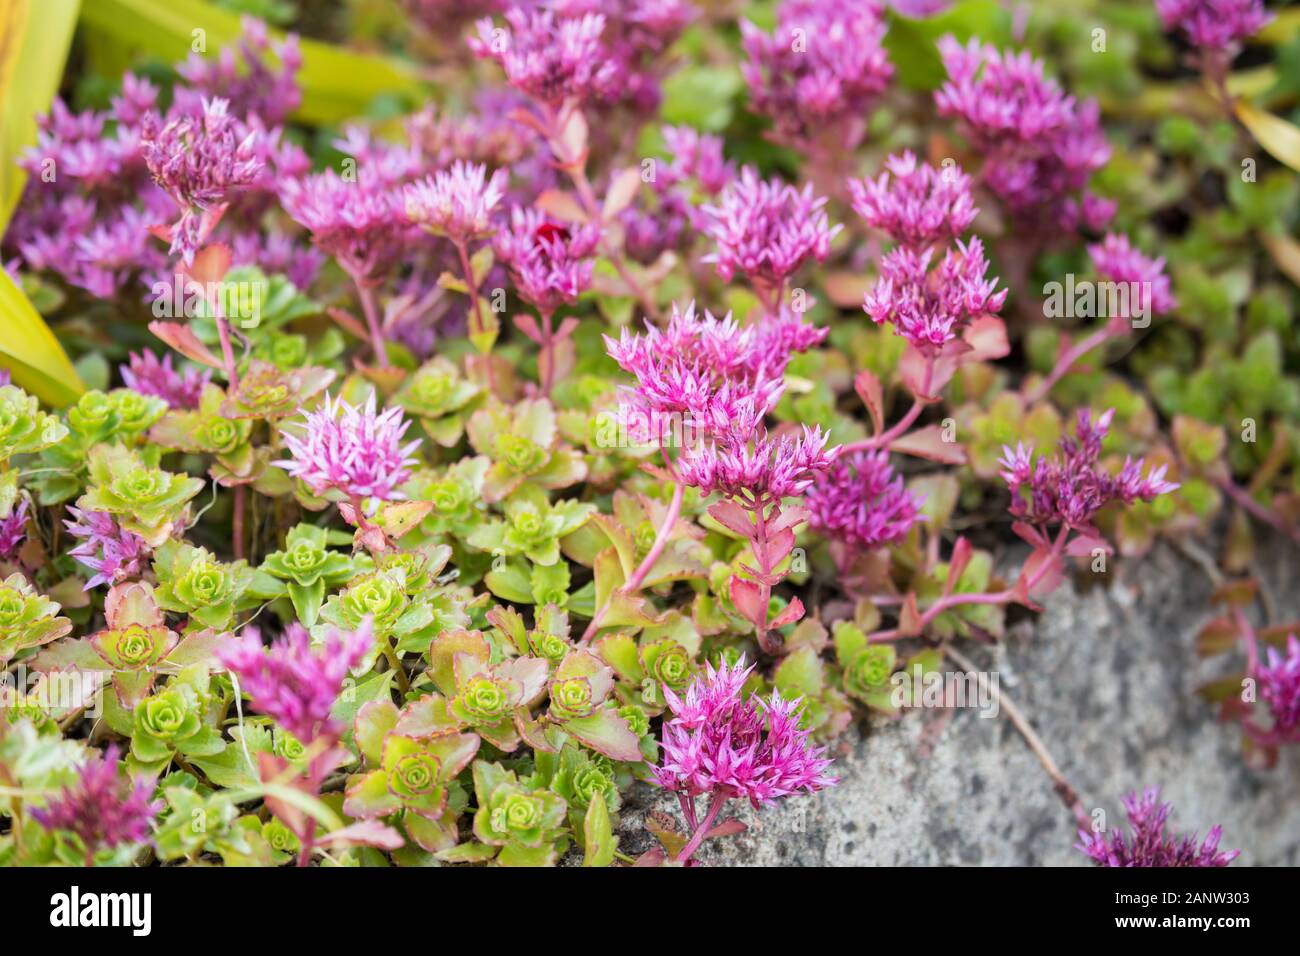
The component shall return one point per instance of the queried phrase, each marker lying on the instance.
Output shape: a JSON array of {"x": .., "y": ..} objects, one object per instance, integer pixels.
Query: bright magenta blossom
[
  {"x": 914, "y": 203},
  {"x": 355, "y": 451},
  {"x": 457, "y": 202},
  {"x": 1279, "y": 687},
  {"x": 859, "y": 500},
  {"x": 293, "y": 683},
  {"x": 550, "y": 261},
  {"x": 721, "y": 743},
  {"x": 1214, "y": 24},
  {"x": 99, "y": 809},
  {"x": 1148, "y": 844}
]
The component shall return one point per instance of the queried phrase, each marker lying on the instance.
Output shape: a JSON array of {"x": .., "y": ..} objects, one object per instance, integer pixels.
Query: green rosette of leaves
[
  {"x": 24, "y": 428},
  {"x": 413, "y": 775},
  {"x": 142, "y": 497},
  {"x": 580, "y": 704},
  {"x": 523, "y": 444},
  {"x": 268, "y": 392},
  {"x": 27, "y": 618},
  {"x": 440, "y": 397},
  {"x": 382, "y": 596},
  {"x": 527, "y": 824},
  {"x": 172, "y": 721},
  {"x": 532, "y": 527},
  {"x": 310, "y": 569},
  {"x": 578, "y": 778},
  {"x": 866, "y": 667},
  {"x": 192, "y": 581},
  {"x": 456, "y": 494},
  {"x": 207, "y": 430}
]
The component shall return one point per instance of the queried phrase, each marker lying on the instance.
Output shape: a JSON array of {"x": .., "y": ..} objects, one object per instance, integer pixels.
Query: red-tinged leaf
[
  {"x": 733, "y": 517},
  {"x": 1029, "y": 533},
  {"x": 652, "y": 857},
  {"x": 961, "y": 555},
  {"x": 869, "y": 389},
  {"x": 726, "y": 828},
  {"x": 1218, "y": 636},
  {"x": 526, "y": 324},
  {"x": 566, "y": 329},
  {"x": 623, "y": 187},
  {"x": 1235, "y": 593},
  {"x": 909, "y": 617},
  {"x": 846, "y": 289},
  {"x": 183, "y": 340},
  {"x": 532, "y": 731},
  {"x": 211, "y": 264},
  {"x": 606, "y": 733},
  {"x": 348, "y": 322},
  {"x": 1045, "y": 569},
  {"x": 924, "y": 383},
  {"x": 787, "y": 518},
  {"x": 987, "y": 338},
  {"x": 929, "y": 443},
  {"x": 1084, "y": 546},
  {"x": 748, "y": 599},
  {"x": 561, "y": 205},
  {"x": 778, "y": 546},
  {"x": 364, "y": 833},
  {"x": 794, "y": 611},
  {"x": 573, "y": 139}
]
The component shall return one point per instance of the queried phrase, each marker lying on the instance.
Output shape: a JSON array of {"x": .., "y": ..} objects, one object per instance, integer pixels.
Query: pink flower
[
  {"x": 859, "y": 500},
  {"x": 1117, "y": 260},
  {"x": 13, "y": 530},
  {"x": 360, "y": 222},
  {"x": 550, "y": 261},
  {"x": 1039, "y": 146},
  {"x": 99, "y": 810},
  {"x": 919, "y": 206},
  {"x": 1279, "y": 686},
  {"x": 199, "y": 160},
  {"x": 148, "y": 375},
  {"x": 931, "y": 307},
  {"x": 719, "y": 743},
  {"x": 457, "y": 202},
  {"x": 766, "y": 230},
  {"x": 1072, "y": 488},
  {"x": 747, "y": 460},
  {"x": 821, "y": 70},
  {"x": 293, "y": 683},
  {"x": 1214, "y": 24},
  {"x": 1149, "y": 845},
  {"x": 351, "y": 450},
  {"x": 113, "y": 553},
  {"x": 551, "y": 59},
  {"x": 695, "y": 155}
]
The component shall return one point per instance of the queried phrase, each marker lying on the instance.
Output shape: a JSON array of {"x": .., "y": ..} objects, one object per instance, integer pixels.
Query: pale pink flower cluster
[
  {"x": 720, "y": 742},
  {"x": 1116, "y": 259},
  {"x": 914, "y": 203},
  {"x": 552, "y": 59},
  {"x": 457, "y": 202},
  {"x": 1214, "y": 24},
  {"x": 355, "y": 451}
]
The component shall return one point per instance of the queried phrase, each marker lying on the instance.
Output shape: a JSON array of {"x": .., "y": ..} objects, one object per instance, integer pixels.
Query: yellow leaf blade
[{"x": 1280, "y": 138}]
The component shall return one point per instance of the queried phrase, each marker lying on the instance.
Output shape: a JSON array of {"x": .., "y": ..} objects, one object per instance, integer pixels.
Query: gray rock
[{"x": 1108, "y": 677}]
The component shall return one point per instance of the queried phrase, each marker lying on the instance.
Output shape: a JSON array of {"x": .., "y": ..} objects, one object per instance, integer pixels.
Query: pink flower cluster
[
  {"x": 818, "y": 74},
  {"x": 766, "y": 229},
  {"x": 1279, "y": 686},
  {"x": 99, "y": 810},
  {"x": 293, "y": 683},
  {"x": 13, "y": 530},
  {"x": 1214, "y": 24},
  {"x": 552, "y": 59},
  {"x": 457, "y": 202},
  {"x": 715, "y": 381},
  {"x": 914, "y": 203},
  {"x": 198, "y": 160},
  {"x": 355, "y": 451},
  {"x": 1149, "y": 845},
  {"x": 1039, "y": 146},
  {"x": 921, "y": 207},
  {"x": 1117, "y": 260},
  {"x": 721, "y": 743},
  {"x": 550, "y": 261},
  {"x": 1072, "y": 488},
  {"x": 112, "y": 552},
  {"x": 695, "y": 164},
  {"x": 860, "y": 501},
  {"x": 148, "y": 375}
]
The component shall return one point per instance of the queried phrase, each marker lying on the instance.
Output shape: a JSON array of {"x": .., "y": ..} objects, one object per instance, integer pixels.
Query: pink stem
[
  {"x": 884, "y": 438},
  {"x": 1242, "y": 497},
  {"x": 238, "y": 520},
  {"x": 1067, "y": 359},
  {"x": 371, "y": 309},
  {"x": 546, "y": 360},
  {"x": 476, "y": 307},
  {"x": 715, "y": 807},
  {"x": 227, "y": 351}
]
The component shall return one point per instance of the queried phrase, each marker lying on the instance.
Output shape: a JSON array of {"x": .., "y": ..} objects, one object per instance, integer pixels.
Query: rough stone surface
[{"x": 1108, "y": 678}]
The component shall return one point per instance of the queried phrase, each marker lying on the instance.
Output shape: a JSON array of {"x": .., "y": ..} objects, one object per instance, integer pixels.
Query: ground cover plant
[{"x": 426, "y": 427}]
